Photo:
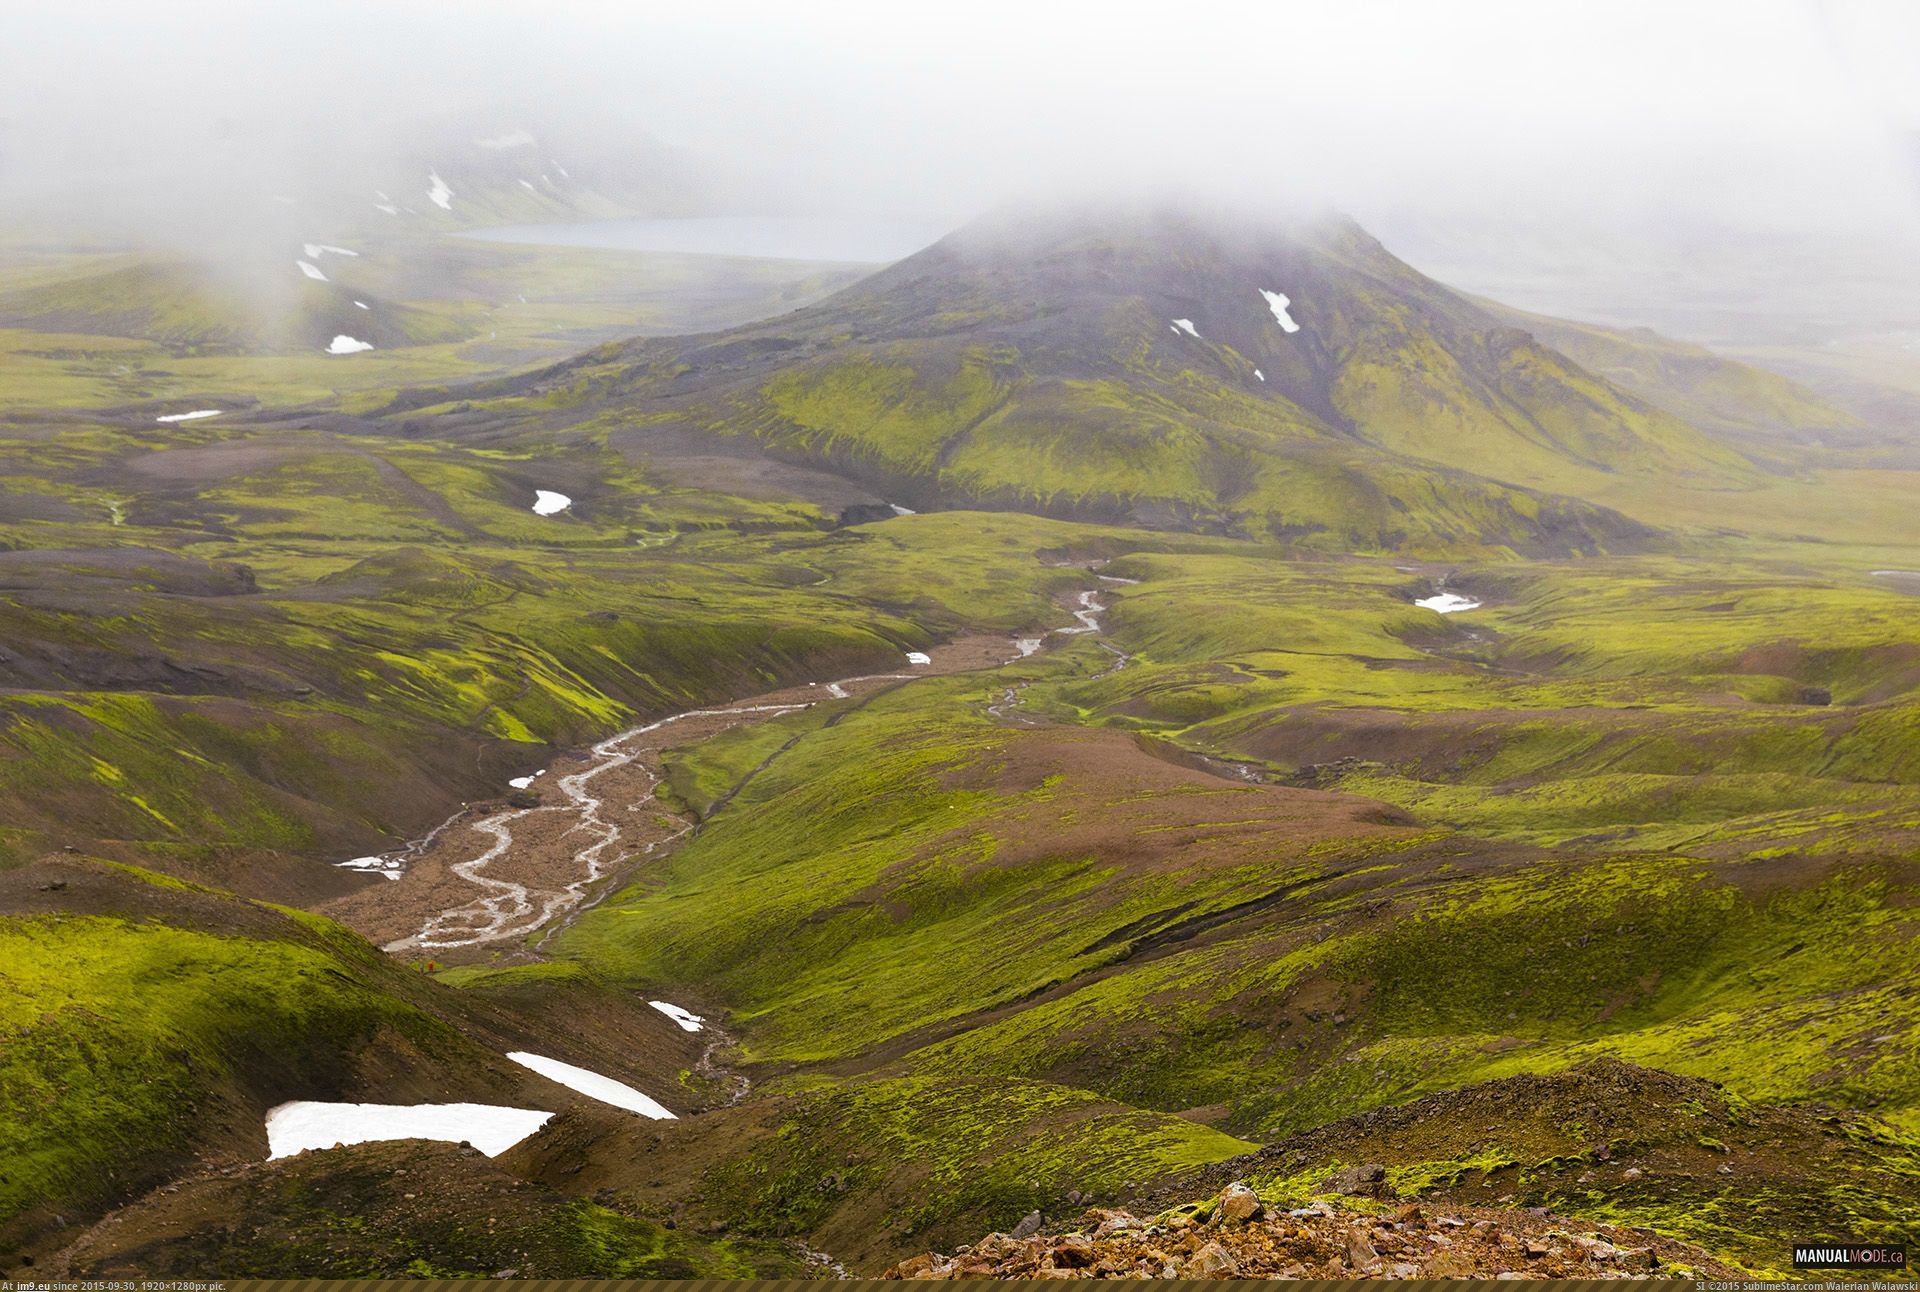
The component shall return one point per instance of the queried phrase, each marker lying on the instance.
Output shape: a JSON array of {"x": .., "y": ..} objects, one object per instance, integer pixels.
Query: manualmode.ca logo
[{"x": 1848, "y": 1256}]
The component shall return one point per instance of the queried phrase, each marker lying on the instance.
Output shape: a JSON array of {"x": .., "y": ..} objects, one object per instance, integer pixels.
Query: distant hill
[
  {"x": 189, "y": 306},
  {"x": 270, "y": 243},
  {"x": 1173, "y": 371},
  {"x": 515, "y": 170},
  {"x": 1763, "y": 412}
]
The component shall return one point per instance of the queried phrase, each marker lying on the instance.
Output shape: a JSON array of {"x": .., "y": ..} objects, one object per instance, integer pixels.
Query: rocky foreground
[{"x": 1237, "y": 1236}]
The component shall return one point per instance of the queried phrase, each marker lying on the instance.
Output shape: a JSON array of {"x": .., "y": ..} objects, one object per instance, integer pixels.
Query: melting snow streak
[
  {"x": 1278, "y": 304},
  {"x": 686, "y": 1018},
  {"x": 1447, "y": 603},
  {"x": 304, "y": 1124},
  {"x": 593, "y": 1085}
]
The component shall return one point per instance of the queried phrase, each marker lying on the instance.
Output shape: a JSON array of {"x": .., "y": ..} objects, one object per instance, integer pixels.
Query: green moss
[
  {"x": 544, "y": 971},
  {"x": 117, "y": 1036},
  {"x": 980, "y": 1153}
]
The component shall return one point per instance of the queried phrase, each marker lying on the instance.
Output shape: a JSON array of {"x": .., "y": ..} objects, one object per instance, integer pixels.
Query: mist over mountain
[
  {"x": 1791, "y": 118},
  {"x": 1282, "y": 375},
  {"x": 958, "y": 640}
]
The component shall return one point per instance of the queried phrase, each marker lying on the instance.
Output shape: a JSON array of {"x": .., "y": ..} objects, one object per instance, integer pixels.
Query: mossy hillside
[
  {"x": 1647, "y": 811},
  {"x": 1689, "y": 625},
  {"x": 64, "y": 371},
  {"x": 962, "y": 841},
  {"x": 864, "y": 889},
  {"x": 645, "y": 935},
  {"x": 280, "y": 488},
  {"x": 135, "y": 298},
  {"x": 876, "y": 1163},
  {"x": 402, "y": 1210},
  {"x": 131, "y": 1043},
  {"x": 1849, "y": 636},
  {"x": 1262, "y": 969},
  {"x": 887, "y": 411},
  {"x": 367, "y": 683},
  {"x": 1784, "y": 989},
  {"x": 194, "y": 308},
  {"x": 1410, "y": 978},
  {"x": 296, "y": 774},
  {"x": 1821, "y": 832},
  {"x": 190, "y": 770},
  {"x": 1036, "y": 369},
  {"x": 965, "y": 570},
  {"x": 1611, "y": 1141},
  {"x": 1192, "y": 452},
  {"x": 511, "y": 977},
  {"x": 1553, "y": 696},
  {"x": 701, "y": 776},
  {"x": 1087, "y": 445},
  {"x": 574, "y": 1237},
  {"x": 1760, "y": 410},
  {"x": 1510, "y": 394},
  {"x": 1742, "y": 940},
  {"x": 252, "y": 765},
  {"x": 94, "y": 330},
  {"x": 1841, "y": 521},
  {"x": 1548, "y": 423}
]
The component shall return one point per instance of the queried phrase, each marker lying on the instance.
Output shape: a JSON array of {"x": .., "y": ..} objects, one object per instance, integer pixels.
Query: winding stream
[
  {"x": 507, "y": 909},
  {"x": 510, "y": 908},
  {"x": 1089, "y": 622}
]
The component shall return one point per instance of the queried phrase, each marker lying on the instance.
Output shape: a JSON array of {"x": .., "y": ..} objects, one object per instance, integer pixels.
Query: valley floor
[{"x": 941, "y": 872}]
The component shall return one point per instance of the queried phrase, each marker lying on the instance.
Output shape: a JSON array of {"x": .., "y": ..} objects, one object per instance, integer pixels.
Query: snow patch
[
  {"x": 1185, "y": 325},
  {"x": 526, "y": 782},
  {"x": 360, "y": 305},
  {"x": 1026, "y": 645},
  {"x": 194, "y": 416},
  {"x": 388, "y": 207},
  {"x": 1447, "y": 603},
  {"x": 530, "y": 188},
  {"x": 919, "y": 657},
  {"x": 686, "y": 1018},
  {"x": 388, "y": 866},
  {"x": 344, "y": 344},
  {"x": 593, "y": 1085},
  {"x": 1278, "y": 304},
  {"x": 512, "y": 139},
  {"x": 1260, "y": 374},
  {"x": 439, "y": 194},
  {"x": 311, "y": 270},
  {"x": 546, "y": 502},
  {"x": 898, "y": 510},
  {"x": 306, "y": 1123},
  {"x": 315, "y": 250}
]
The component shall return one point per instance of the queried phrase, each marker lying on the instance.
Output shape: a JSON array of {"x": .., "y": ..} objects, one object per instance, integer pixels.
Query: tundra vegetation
[{"x": 1600, "y": 896}]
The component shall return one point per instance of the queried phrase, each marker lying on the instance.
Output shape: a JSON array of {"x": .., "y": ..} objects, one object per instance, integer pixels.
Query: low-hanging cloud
[{"x": 171, "y": 118}]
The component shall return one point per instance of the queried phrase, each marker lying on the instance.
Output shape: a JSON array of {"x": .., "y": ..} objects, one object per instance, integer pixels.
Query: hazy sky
[{"x": 1766, "y": 110}]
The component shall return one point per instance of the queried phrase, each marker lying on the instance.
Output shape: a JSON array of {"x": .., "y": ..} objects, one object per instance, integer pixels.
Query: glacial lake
[{"x": 761, "y": 237}]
